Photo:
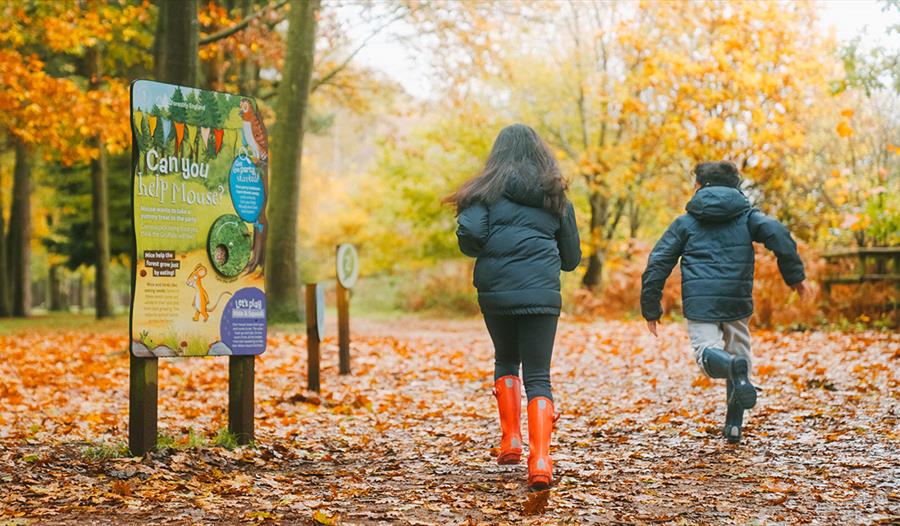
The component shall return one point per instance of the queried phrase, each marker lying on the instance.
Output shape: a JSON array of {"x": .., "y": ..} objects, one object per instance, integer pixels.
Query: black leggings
[{"x": 525, "y": 340}]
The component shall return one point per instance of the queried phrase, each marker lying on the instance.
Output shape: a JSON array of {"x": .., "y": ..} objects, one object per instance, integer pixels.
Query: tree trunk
[
  {"x": 177, "y": 40},
  {"x": 100, "y": 220},
  {"x": 79, "y": 291},
  {"x": 282, "y": 274},
  {"x": 102, "y": 297},
  {"x": 4, "y": 267},
  {"x": 594, "y": 273},
  {"x": 19, "y": 244},
  {"x": 55, "y": 287}
]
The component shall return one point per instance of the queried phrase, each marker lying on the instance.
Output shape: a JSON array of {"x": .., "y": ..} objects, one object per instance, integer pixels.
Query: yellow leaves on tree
[
  {"x": 745, "y": 73},
  {"x": 53, "y": 111}
]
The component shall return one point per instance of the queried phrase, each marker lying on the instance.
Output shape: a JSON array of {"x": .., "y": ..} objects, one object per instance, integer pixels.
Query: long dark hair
[{"x": 518, "y": 152}]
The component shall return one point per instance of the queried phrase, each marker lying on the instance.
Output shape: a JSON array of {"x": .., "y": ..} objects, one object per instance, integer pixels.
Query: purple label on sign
[{"x": 243, "y": 326}]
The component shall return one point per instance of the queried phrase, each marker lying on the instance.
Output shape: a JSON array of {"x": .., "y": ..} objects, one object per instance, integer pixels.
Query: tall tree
[
  {"x": 631, "y": 98},
  {"x": 282, "y": 274},
  {"x": 4, "y": 266},
  {"x": 99, "y": 190},
  {"x": 45, "y": 107},
  {"x": 177, "y": 40},
  {"x": 19, "y": 240}
]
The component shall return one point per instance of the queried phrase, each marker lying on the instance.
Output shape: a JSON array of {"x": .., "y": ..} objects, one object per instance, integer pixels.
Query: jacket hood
[
  {"x": 717, "y": 204},
  {"x": 525, "y": 187}
]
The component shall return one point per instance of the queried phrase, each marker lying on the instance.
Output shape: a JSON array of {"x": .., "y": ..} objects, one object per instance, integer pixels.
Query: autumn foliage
[
  {"x": 59, "y": 114},
  {"x": 628, "y": 95},
  {"x": 775, "y": 305},
  {"x": 410, "y": 436}
]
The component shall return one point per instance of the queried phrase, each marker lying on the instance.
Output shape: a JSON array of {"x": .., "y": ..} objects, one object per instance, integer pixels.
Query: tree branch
[
  {"x": 620, "y": 207},
  {"x": 560, "y": 138},
  {"x": 346, "y": 62},
  {"x": 227, "y": 32}
]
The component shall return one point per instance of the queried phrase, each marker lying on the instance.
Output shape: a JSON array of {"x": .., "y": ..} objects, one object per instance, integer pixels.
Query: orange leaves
[
  {"x": 256, "y": 43},
  {"x": 55, "y": 113},
  {"x": 121, "y": 487},
  {"x": 843, "y": 129},
  {"x": 626, "y": 449},
  {"x": 702, "y": 381},
  {"x": 536, "y": 503},
  {"x": 212, "y": 14}
]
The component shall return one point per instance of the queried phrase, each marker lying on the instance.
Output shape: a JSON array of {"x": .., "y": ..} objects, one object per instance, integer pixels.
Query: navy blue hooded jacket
[
  {"x": 520, "y": 250},
  {"x": 715, "y": 243}
]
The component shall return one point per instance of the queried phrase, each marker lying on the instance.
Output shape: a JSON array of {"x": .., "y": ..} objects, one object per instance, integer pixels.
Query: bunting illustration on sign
[{"x": 199, "y": 221}]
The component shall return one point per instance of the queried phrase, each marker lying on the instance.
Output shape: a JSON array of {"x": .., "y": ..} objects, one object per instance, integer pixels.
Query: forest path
[{"x": 407, "y": 438}]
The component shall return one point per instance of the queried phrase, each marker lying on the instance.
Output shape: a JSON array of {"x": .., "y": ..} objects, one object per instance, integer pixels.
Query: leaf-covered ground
[{"x": 408, "y": 438}]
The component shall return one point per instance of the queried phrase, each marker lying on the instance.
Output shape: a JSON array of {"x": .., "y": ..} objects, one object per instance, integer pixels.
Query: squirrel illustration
[{"x": 201, "y": 298}]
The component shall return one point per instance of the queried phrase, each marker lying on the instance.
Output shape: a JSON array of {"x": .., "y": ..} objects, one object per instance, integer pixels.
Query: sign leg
[
  {"x": 142, "y": 396},
  {"x": 343, "y": 307},
  {"x": 241, "y": 378},
  {"x": 312, "y": 339}
]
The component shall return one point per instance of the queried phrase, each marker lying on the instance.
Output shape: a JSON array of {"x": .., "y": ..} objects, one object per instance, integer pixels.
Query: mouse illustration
[{"x": 201, "y": 298}]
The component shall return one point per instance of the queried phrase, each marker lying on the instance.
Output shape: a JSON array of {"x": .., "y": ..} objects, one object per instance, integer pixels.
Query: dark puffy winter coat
[
  {"x": 715, "y": 243},
  {"x": 520, "y": 250}
]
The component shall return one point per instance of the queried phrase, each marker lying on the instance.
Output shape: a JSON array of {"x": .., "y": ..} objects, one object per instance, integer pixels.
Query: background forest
[
  {"x": 628, "y": 94},
  {"x": 376, "y": 110}
]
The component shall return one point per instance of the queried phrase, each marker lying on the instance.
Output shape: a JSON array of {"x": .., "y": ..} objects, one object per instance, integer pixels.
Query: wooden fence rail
[{"x": 872, "y": 265}]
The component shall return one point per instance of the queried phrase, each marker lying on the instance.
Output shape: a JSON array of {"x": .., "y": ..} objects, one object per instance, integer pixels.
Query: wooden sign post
[
  {"x": 347, "y": 270},
  {"x": 142, "y": 399},
  {"x": 315, "y": 331},
  {"x": 343, "y": 313},
  {"x": 199, "y": 230},
  {"x": 241, "y": 379}
]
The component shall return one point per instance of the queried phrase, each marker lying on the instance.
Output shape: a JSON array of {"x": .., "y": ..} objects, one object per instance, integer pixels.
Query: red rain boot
[
  {"x": 508, "y": 391},
  {"x": 540, "y": 427}
]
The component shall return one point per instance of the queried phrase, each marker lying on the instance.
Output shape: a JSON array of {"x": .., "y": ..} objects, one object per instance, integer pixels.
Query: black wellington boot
[
  {"x": 734, "y": 417},
  {"x": 720, "y": 364}
]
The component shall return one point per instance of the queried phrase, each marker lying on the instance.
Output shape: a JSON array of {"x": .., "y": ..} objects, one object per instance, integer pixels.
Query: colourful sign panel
[{"x": 199, "y": 188}]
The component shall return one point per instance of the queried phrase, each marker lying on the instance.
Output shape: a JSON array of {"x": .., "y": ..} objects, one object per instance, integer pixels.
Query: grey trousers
[{"x": 731, "y": 336}]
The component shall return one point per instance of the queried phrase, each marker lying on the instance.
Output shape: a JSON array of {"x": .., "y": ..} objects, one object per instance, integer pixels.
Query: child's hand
[
  {"x": 651, "y": 326},
  {"x": 801, "y": 289}
]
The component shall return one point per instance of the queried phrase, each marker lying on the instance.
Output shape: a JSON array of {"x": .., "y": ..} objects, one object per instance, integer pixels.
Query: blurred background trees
[{"x": 629, "y": 96}]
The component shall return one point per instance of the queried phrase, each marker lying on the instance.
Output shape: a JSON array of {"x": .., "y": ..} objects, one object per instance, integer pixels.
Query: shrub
[
  {"x": 775, "y": 305},
  {"x": 444, "y": 289},
  {"x": 620, "y": 295}
]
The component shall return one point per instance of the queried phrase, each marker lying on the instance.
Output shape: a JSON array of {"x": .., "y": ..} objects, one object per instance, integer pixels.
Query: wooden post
[
  {"x": 343, "y": 312},
  {"x": 240, "y": 397},
  {"x": 312, "y": 339},
  {"x": 142, "y": 405}
]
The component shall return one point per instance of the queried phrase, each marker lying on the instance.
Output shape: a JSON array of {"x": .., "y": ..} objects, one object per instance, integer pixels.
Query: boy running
[{"x": 714, "y": 241}]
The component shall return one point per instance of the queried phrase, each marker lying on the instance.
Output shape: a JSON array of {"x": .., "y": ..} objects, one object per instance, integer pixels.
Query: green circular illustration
[
  {"x": 229, "y": 245},
  {"x": 347, "y": 262}
]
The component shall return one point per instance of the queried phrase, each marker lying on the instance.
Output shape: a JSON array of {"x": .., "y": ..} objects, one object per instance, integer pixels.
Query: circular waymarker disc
[
  {"x": 320, "y": 311},
  {"x": 229, "y": 245},
  {"x": 347, "y": 262}
]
